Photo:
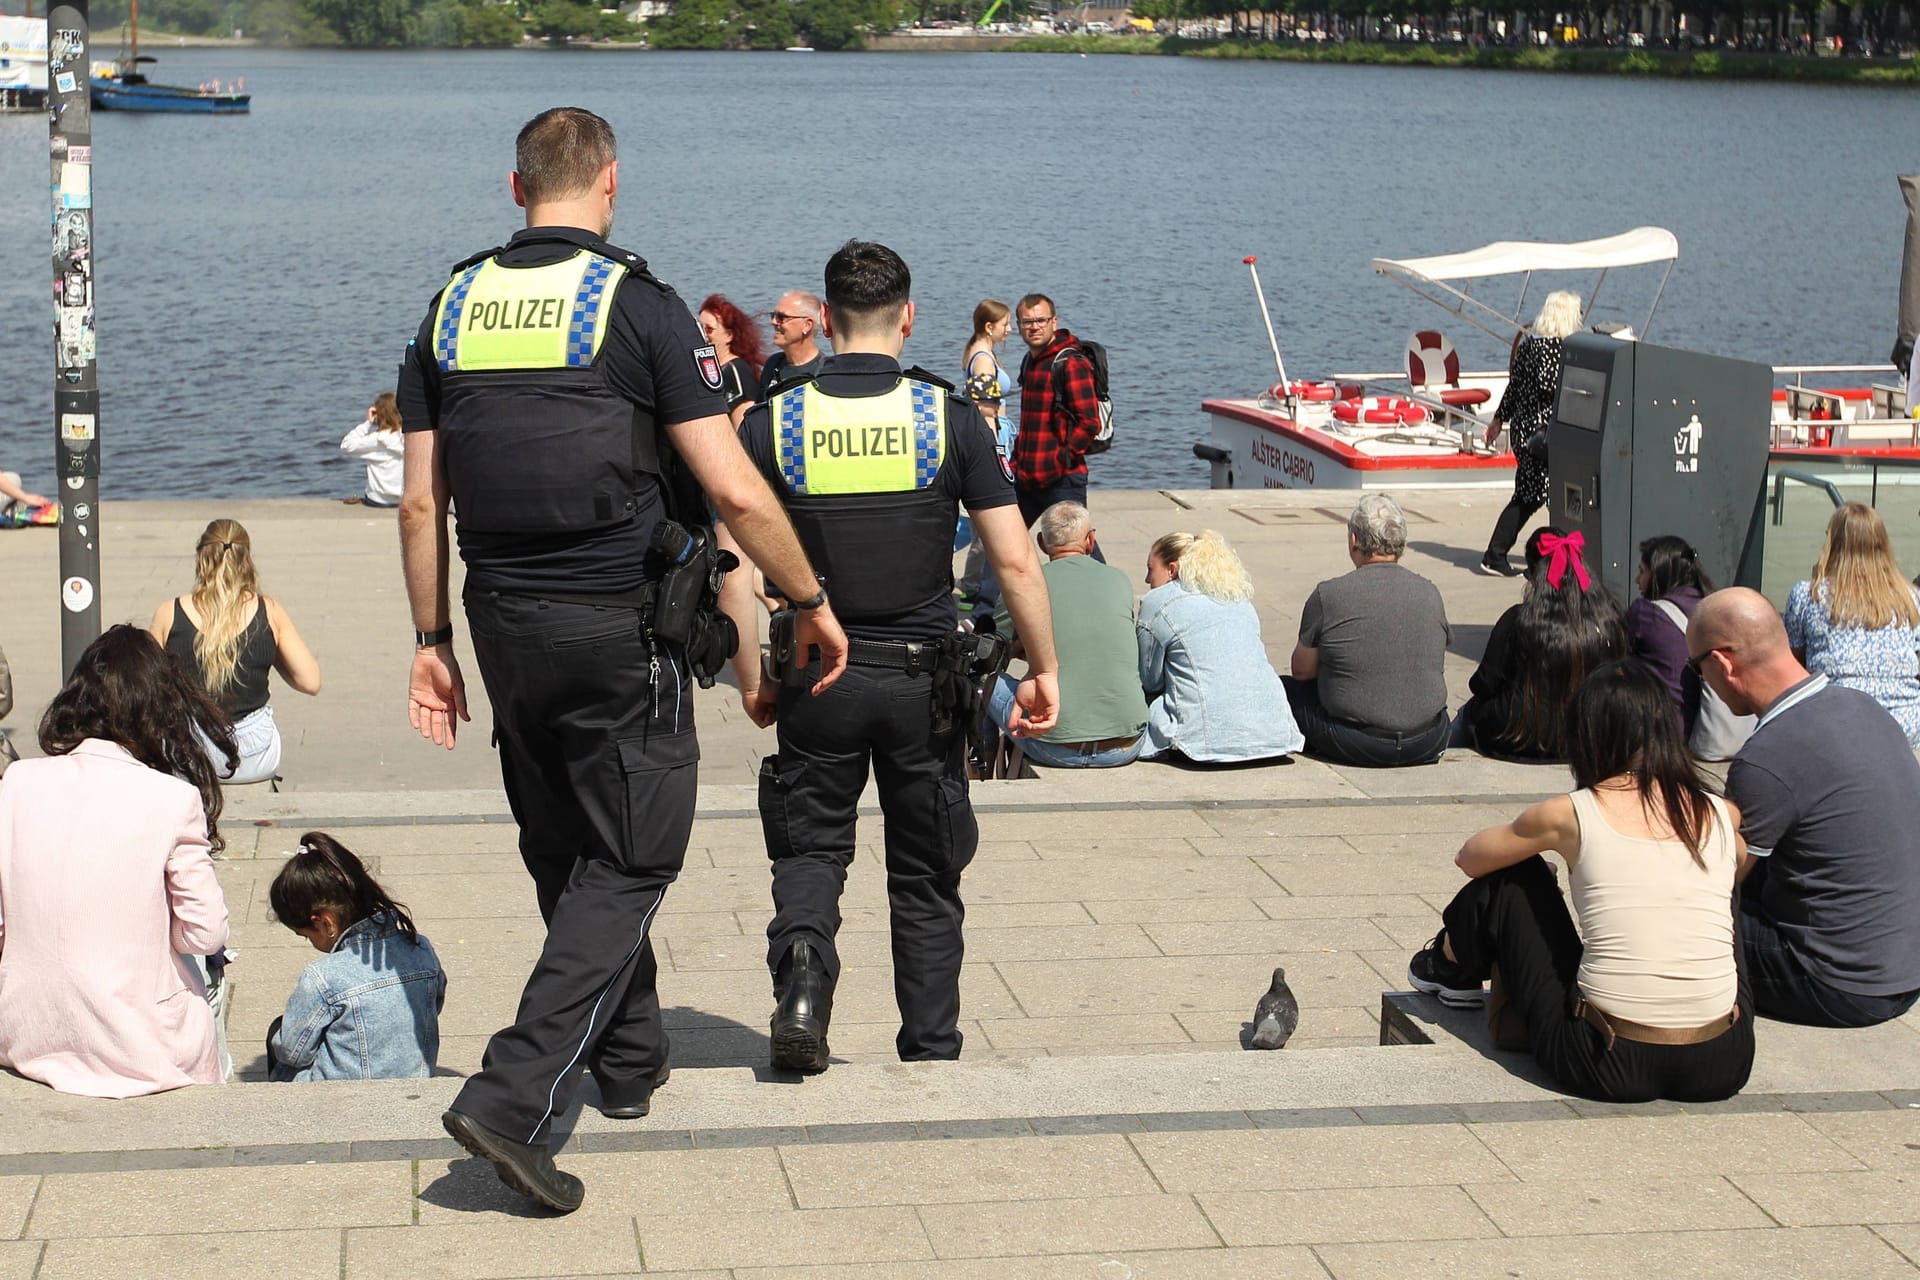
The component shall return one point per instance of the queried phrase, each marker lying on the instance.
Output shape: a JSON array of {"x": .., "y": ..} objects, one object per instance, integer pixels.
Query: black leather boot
[{"x": 799, "y": 1029}]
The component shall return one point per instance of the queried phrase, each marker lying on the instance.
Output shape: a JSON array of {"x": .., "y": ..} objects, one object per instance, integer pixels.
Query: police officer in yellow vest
[
  {"x": 537, "y": 398},
  {"x": 872, "y": 464}
]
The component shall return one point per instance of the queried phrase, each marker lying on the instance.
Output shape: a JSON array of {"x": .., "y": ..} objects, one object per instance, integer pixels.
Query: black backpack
[{"x": 1096, "y": 355}]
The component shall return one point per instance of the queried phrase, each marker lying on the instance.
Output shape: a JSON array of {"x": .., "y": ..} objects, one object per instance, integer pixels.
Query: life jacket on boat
[
  {"x": 1381, "y": 411},
  {"x": 859, "y": 476}
]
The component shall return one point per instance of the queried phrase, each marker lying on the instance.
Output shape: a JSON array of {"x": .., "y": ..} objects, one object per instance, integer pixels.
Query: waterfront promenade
[{"x": 1104, "y": 1122}]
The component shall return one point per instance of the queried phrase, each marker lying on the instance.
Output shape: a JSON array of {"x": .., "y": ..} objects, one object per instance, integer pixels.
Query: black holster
[
  {"x": 686, "y": 606},
  {"x": 963, "y": 683}
]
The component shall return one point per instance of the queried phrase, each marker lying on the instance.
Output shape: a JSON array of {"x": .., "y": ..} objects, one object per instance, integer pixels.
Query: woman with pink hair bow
[{"x": 1567, "y": 625}]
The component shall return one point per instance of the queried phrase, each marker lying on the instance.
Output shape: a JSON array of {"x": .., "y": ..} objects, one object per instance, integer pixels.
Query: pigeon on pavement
[{"x": 1277, "y": 1014}]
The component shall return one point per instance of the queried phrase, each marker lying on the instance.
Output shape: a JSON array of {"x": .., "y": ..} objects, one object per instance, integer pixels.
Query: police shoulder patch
[
  {"x": 1006, "y": 468},
  {"x": 708, "y": 362}
]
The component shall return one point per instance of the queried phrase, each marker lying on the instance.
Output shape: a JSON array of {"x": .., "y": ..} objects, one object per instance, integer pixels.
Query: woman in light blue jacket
[
  {"x": 1212, "y": 695},
  {"x": 369, "y": 1008}
]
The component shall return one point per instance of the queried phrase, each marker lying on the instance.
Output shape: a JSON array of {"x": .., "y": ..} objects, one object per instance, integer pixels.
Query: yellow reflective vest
[{"x": 860, "y": 472}]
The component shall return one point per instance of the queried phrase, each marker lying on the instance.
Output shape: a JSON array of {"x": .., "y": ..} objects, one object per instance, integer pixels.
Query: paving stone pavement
[{"x": 1104, "y": 1122}]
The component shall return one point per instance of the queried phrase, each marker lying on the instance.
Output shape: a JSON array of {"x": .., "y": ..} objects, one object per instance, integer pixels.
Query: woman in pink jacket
[{"x": 106, "y": 880}]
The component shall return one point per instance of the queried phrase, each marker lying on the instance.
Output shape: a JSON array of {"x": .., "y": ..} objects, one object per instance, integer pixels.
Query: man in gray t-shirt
[
  {"x": 1829, "y": 799},
  {"x": 1368, "y": 685}
]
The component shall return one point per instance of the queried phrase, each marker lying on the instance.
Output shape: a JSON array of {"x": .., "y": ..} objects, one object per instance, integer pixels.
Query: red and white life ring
[
  {"x": 1380, "y": 411},
  {"x": 1304, "y": 390}
]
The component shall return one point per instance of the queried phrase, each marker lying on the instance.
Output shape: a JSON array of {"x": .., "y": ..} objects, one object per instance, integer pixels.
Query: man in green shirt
[{"x": 1102, "y": 710}]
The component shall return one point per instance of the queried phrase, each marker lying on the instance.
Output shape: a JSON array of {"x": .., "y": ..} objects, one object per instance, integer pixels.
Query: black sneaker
[
  {"x": 1498, "y": 566},
  {"x": 1430, "y": 971}
]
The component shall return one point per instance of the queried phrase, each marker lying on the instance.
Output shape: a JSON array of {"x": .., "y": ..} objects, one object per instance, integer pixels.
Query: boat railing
[
  {"x": 1798, "y": 372},
  {"x": 1841, "y": 468}
]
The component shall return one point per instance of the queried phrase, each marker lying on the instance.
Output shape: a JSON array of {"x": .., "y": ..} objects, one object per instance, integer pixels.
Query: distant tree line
[
  {"x": 771, "y": 24},
  {"x": 1873, "y": 24},
  {"x": 376, "y": 24}
]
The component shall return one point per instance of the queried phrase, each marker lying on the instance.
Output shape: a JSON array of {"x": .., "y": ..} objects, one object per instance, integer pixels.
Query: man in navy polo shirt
[{"x": 1829, "y": 799}]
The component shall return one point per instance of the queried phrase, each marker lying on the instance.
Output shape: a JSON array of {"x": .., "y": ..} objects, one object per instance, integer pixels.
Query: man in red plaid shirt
[{"x": 1059, "y": 414}]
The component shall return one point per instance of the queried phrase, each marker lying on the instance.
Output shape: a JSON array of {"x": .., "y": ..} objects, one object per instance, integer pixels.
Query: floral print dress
[
  {"x": 1879, "y": 662},
  {"x": 1527, "y": 407}
]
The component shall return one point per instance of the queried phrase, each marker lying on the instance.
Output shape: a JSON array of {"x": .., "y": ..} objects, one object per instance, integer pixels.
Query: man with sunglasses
[
  {"x": 1829, "y": 799},
  {"x": 796, "y": 319}
]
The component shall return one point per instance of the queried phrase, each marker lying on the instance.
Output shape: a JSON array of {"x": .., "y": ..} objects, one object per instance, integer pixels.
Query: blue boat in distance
[{"x": 121, "y": 87}]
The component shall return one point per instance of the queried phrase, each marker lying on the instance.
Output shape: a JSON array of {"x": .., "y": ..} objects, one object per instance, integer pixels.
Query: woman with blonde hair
[
  {"x": 1526, "y": 407},
  {"x": 1212, "y": 695},
  {"x": 1857, "y": 620},
  {"x": 228, "y": 635},
  {"x": 377, "y": 442}
]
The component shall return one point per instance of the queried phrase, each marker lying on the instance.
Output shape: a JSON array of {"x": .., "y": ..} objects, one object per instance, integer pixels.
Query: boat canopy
[{"x": 1448, "y": 278}]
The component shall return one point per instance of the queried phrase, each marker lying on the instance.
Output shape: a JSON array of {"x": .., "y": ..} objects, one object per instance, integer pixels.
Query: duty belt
[{"x": 915, "y": 657}]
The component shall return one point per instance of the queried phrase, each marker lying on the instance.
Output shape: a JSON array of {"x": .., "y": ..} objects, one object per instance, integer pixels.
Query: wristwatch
[
  {"x": 428, "y": 639},
  {"x": 813, "y": 601}
]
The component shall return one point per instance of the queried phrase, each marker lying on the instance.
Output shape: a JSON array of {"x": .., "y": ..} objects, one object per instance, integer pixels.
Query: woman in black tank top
[{"x": 228, "y": 635}]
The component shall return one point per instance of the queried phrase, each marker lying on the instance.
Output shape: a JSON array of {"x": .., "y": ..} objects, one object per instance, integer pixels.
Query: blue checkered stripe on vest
[
  {"x": 443, "y": 339},
  {"x": 586, "y": 311},
  {"x": 789, "y": 442},
  {"x": 789, "y": 439},
  {"x": 926, "y": 433}
]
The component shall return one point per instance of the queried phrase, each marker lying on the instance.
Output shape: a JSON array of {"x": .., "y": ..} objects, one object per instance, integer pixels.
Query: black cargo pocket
[
  {"x": 661, "y": 778},
  {"x": 776, "y": 805},
  {"x": 956, "y": 833}
]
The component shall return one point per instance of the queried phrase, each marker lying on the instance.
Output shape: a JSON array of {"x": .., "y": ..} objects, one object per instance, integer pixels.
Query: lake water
[{"x": 258, "y": 276}]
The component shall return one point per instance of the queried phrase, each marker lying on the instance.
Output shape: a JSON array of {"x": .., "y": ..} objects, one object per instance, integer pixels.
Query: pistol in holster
[
  {"x": 785, "y": 661},
  {"x": 963, "y": 682}
]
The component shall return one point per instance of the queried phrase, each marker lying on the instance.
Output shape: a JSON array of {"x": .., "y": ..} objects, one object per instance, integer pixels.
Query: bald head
[
  {"x": 1739, "y": 619},
  {"x": 1741, "y": 648}
]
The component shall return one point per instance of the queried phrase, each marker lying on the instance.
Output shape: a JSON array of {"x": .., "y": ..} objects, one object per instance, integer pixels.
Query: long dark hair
[
  {"x": 1623, "y": 722},
  {"x": 1672, "y": 563},
  {"x": 127, "y": 690},
  {"x": 1560, "y": 634},
  {"x": 325, "y": 873}
]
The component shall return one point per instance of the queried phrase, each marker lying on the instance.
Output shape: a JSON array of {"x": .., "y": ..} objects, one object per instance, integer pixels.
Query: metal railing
[{"x": 1780, "y": 478}]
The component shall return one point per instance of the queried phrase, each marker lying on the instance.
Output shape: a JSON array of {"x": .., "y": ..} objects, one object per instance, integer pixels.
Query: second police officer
[
  {"x": 541, "y": 397},
  {"x": 872, "y": 464}
]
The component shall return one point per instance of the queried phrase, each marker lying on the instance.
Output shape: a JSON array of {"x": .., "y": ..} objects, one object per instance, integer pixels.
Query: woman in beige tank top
[{"x": 1646, "y": 999}]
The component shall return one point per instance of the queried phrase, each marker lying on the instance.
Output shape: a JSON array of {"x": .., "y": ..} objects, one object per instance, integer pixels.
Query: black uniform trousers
[
  {"x": 600, "y": 764},
  {"x": 1517, "y": 919},
  {"x": 809, "y": 794}
]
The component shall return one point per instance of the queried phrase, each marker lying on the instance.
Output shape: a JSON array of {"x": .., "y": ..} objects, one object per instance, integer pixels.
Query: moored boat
[
  {"x": 1425, "y": 426},
  {"x": 119, "y": 87}
]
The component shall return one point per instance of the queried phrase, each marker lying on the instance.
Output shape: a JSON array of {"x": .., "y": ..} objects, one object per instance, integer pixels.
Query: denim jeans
[
  {"x": 1785, "y": 991},
  {"x": 258, "y": 739},
  {"x": 1344, "y": 743},
  {"x": 1056, "y": 755}
]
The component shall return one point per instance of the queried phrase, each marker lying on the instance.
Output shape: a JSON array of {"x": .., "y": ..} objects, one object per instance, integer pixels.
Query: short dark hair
[
  {"x": 865, "y": 281},
  {"x": 1034, "y": 300},
  {"x": 560, "y": 152}
]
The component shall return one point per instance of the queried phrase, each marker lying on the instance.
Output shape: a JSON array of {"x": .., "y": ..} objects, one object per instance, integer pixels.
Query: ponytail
[{"x": 325, "y": 873}]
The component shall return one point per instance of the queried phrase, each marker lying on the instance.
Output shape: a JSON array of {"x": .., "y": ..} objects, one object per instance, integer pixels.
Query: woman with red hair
[{"x": 736, "y": 344}]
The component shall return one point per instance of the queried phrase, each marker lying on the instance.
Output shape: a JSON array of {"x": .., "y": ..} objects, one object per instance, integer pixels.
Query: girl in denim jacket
[{"x": 369, "y": 1008}]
